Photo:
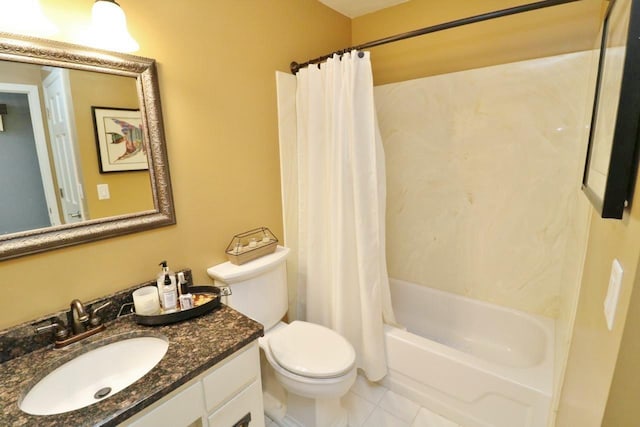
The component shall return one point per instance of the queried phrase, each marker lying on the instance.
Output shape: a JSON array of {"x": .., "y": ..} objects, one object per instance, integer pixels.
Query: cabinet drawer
[
  {"x": 181, "y": 410},
  {"x": 249, "y": 401},
  {"x": 235, "y": 373}
]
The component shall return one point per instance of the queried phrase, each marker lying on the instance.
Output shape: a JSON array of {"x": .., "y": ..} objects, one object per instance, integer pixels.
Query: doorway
[{"x": 29, "y": 189}]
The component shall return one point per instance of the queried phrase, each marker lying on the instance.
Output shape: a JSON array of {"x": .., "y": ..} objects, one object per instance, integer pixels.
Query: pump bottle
[{"x": 167, "y": 290}]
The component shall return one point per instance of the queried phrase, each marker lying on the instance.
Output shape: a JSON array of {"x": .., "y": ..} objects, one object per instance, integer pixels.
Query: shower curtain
[{"x": 343, "y": 282}]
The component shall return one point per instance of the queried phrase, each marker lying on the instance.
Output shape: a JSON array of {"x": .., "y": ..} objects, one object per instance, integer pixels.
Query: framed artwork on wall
[
  {"x": 611, "y": 165},
  {"x": 119, "y": 139}
]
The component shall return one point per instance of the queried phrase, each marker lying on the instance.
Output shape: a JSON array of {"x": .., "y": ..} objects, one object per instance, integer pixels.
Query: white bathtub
[{"x": 475, "y": 363}]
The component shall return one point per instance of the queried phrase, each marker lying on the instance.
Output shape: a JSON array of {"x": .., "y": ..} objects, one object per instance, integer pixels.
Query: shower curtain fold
[{"x": 343, "y": 281}]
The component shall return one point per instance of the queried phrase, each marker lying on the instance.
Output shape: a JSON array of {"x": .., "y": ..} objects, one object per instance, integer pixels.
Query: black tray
[{"x": 180, "y": 315}]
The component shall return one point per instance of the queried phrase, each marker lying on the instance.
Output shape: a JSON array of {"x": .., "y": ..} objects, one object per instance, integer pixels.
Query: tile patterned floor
[{"x": 373, "y": 405}]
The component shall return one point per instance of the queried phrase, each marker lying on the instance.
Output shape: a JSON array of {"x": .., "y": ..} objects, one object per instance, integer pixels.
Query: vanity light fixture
[
  {"x": 25, "y": 17},
  {"x": 109, "y": 28}
]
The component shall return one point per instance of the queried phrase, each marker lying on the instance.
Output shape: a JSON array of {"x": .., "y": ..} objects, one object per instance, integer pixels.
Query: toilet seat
[{"x": 311, "y": 350}]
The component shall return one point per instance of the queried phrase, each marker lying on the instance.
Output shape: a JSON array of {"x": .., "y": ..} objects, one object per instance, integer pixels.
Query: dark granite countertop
[{"x": 194, "y": 346}]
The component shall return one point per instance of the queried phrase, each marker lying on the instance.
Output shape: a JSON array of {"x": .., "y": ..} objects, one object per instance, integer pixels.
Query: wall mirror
[
  {"x": 82, "y": 148},
  {"x": 611, "y": 165}
]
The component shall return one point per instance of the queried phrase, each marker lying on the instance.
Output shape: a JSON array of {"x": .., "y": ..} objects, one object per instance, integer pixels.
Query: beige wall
[
  {"x": 13, "y": 72},
  {"x": 129, "y": 191},
  {"x": 594, "y": 349},
  {"x": 602, "y": 381},
  {"x": 624, "y": 395},
  {"x": 559, "y": 29},
  {"x": 216, "y": 69}
]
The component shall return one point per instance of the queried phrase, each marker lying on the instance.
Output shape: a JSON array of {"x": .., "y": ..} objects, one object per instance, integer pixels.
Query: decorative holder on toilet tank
[{"x": 252, "y": 244}]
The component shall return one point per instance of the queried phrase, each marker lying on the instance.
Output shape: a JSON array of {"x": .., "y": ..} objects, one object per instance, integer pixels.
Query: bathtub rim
[{"x": 537, "y": 377}]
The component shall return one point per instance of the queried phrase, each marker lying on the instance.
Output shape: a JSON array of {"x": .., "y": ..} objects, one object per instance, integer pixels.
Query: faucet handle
[
  {"x": 60, "y": 331},
  {"x": 95, "y": 320}
]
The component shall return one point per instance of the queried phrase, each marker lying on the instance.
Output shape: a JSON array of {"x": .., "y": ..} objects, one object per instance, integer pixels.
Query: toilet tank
[{"x": 259, "y": 287}]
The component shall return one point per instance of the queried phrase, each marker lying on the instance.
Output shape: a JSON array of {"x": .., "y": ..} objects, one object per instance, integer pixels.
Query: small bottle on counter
[
  {"x": 186, "y": 299},
  {"x": 167, "y": 288}
]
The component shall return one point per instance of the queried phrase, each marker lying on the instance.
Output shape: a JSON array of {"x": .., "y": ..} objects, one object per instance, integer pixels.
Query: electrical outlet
[
  {"x": 103, "y": 192},
  {"x": 613, "y": 293}
]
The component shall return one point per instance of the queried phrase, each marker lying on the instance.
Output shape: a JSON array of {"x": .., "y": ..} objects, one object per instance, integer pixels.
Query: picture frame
[
  {"x": 612, "y": 154},
  {"x": 119, "y": 139}
]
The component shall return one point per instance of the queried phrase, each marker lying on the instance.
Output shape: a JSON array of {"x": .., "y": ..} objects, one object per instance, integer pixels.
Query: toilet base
[
  {"x": 304, "y": 412},
  {"x": 274, "y": 408}
]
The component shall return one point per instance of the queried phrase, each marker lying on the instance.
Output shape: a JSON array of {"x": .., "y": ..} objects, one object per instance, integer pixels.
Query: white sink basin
[{"x": 94, "y": 375}]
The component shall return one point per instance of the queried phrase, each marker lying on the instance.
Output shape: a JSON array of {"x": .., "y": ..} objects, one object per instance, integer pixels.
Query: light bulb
[{"x": 109, "y": 28}]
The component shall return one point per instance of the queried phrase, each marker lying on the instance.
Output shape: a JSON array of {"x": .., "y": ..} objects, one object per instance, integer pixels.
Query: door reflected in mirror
[{"x": 49, "y": 151}]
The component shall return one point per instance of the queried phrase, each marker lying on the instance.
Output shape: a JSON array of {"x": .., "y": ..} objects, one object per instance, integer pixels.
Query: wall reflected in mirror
[{"x": 49, "y": 164}]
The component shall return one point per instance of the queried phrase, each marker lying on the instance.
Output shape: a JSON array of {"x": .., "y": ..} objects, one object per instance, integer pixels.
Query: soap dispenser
[{"x": 167, "y": 288}]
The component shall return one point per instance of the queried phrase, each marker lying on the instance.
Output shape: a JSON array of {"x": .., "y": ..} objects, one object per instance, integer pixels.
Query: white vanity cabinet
[{"x": 229, "y": 394}]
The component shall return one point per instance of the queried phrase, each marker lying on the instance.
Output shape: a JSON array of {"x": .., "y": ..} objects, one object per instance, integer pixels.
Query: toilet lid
[{"x": 311, "y": 350}]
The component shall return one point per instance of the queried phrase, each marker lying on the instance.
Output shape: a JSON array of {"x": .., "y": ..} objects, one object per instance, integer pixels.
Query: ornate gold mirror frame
[{"x": 57, "y": 54}]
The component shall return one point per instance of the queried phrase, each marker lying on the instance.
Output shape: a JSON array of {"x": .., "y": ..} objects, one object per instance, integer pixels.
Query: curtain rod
[{"x": 434, "y": 28}]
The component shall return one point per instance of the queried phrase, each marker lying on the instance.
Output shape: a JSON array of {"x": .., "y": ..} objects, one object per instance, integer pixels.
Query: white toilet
[{"x": 315, "y": 364}]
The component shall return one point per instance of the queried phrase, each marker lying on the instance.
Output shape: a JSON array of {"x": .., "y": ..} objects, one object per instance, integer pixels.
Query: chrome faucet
[{"x": 79, "y": 317}]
